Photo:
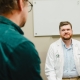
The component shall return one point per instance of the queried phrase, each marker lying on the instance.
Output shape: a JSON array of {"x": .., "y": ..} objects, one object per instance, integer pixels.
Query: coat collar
[{"x": 74, "y": 42}]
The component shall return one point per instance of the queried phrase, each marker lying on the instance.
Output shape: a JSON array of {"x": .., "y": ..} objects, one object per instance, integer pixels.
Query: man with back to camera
[
  {"x": 19, "y": 59},
  {"x": 63, "y": 57}
]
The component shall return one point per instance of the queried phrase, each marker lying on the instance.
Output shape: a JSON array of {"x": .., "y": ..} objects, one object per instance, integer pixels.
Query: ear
[
  {"x": 72, "y": 31},
  {"x": 59, "y": 30},
  {"x": 20, "y": 4}
]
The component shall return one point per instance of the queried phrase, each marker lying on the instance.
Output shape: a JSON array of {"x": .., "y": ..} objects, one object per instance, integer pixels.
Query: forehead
[{"x": 66, "y": 27}]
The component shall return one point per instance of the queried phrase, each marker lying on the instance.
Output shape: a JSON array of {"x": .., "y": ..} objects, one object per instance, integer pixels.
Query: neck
[
  {"x": 67, "y": 42},
  {"x": 14, "y": 17}
]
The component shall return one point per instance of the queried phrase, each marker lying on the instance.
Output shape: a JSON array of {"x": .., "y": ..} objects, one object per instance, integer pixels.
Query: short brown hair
[
  {"x": 8, "y": 5},
  {"x": 64, "y": 23}
]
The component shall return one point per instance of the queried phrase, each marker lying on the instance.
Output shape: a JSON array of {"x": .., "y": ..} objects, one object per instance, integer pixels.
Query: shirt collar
[
  {"x": 7, "y": 21},
  {"x": 63, "y": 44}
]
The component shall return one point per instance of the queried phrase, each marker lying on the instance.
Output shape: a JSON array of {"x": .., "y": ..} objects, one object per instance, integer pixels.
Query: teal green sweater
[{"x": 19, "y": 59}]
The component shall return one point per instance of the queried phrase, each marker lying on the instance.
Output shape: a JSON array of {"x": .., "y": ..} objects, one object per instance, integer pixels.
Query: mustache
[{"x": 66, "y": 33}]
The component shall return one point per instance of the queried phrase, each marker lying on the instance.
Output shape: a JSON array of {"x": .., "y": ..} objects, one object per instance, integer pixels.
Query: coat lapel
[{"x": 60, "y": 51}]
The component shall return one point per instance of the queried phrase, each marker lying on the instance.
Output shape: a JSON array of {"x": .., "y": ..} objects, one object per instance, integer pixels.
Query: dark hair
[
  {"x": 8, "y": 5},
  {"x": 64, "y": 23}
]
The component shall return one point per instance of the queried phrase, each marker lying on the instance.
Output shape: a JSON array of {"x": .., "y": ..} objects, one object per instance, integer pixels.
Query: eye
[
  {"x": 63, "y": 30},
  {"x": 68, "y": 29}
]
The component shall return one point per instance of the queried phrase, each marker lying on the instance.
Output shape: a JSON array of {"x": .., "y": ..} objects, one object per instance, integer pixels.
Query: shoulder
[
  {"x": 56, "y": 43},
  {"x": 74, "y": 41},
  {"x": 11, "y": 37},
  {"x": 29, "y": 51}
]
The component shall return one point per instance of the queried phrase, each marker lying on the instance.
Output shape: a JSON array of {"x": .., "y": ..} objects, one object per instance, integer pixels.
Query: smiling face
[{"x": 66, "y": 32}]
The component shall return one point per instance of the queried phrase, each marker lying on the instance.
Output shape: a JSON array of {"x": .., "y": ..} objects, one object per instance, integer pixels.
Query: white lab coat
[{"x": 55, "y": 59}]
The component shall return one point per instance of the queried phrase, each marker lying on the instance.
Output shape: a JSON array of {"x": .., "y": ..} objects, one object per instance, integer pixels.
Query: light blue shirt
[{"x": 69, "y": 69}]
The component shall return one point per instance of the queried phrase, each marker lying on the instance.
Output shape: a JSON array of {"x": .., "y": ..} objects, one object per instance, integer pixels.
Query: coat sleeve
[{"x": 49, "y": 65}]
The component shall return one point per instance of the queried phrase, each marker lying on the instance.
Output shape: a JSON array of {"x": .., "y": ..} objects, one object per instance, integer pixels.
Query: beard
[
  {"x": 66, "y": 38},
  {"x": 22, "y": 24}
]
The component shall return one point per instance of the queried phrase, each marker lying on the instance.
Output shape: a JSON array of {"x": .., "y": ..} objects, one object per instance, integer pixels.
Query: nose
[{"x": 66, "y": 31}]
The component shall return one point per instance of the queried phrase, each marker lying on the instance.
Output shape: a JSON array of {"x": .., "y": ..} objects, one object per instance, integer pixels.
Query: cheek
[
  {"x": 62, "y": 33},
  {"x": 70, "y": 32},
  {"x": 25, "y": 16},
  {"x": 26, "y": 11}
]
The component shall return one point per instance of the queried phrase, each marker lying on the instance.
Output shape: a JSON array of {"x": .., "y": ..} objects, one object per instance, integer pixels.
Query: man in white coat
[{"x": 63, "y": 57}]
